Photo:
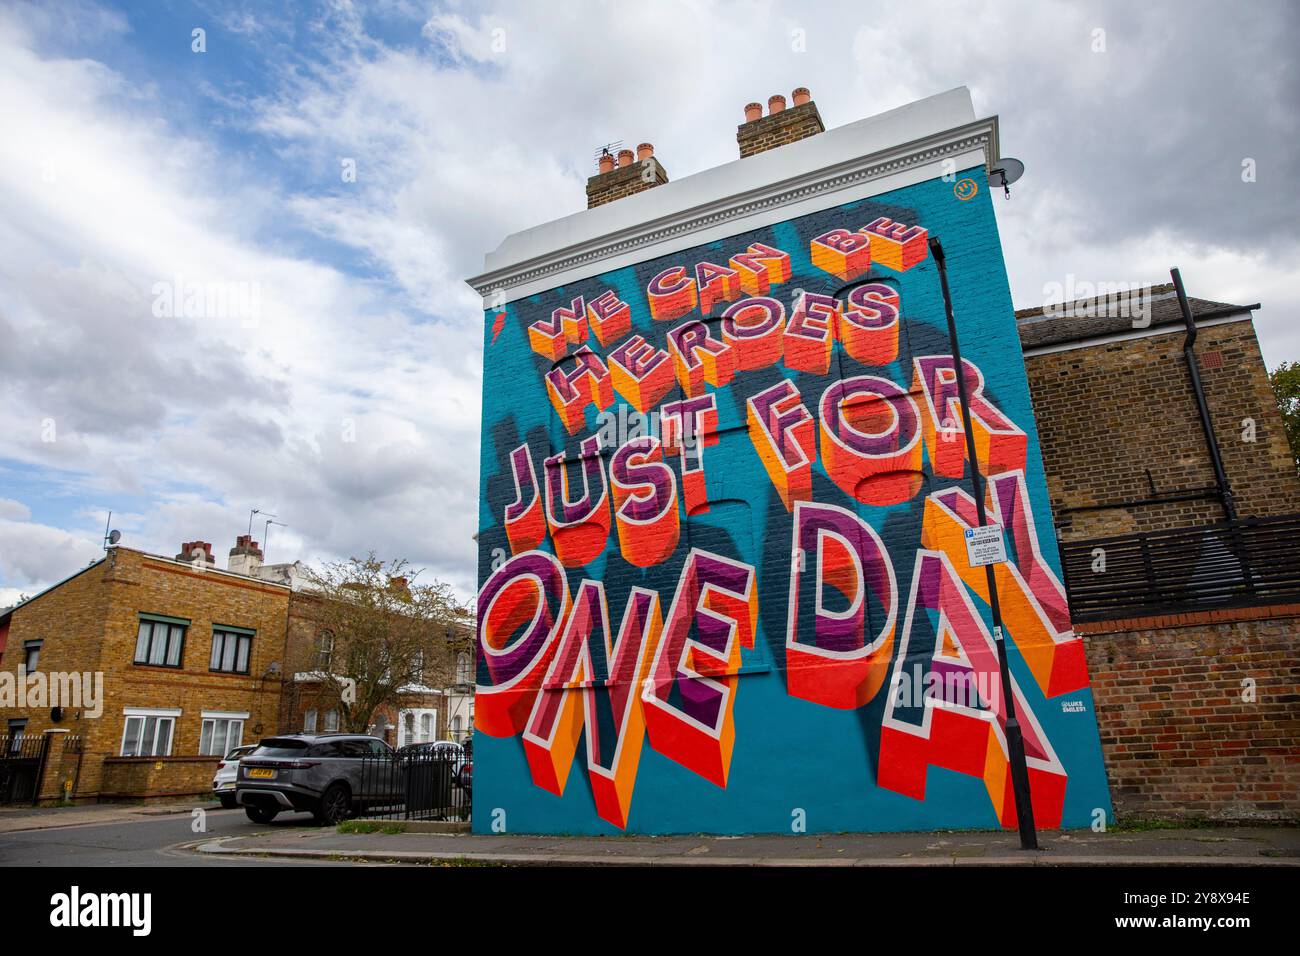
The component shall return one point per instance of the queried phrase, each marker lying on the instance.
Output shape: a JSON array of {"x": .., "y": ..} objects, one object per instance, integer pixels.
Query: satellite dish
[
  {"x": 114, "y": 536},
  {"x": 1006, "y": 172}
]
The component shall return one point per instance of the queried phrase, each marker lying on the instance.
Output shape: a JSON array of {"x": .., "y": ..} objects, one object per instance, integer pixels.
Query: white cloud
[
  {"x": 11, "y": 510},
  {"x": 32, "y": 555}
]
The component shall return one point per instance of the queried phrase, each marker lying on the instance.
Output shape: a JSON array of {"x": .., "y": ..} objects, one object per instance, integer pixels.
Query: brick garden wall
[
  {"x": 1181, "y": 735},
  {"x": 1107, "y": 412},
  {"x": 129, "y": 778}
]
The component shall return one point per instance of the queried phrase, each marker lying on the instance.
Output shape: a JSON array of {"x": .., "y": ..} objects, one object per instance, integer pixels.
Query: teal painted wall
[{"x": 714, "y": 712}]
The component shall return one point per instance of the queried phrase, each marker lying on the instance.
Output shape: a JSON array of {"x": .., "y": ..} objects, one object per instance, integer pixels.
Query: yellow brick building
[{"x": 191, "y": 661}]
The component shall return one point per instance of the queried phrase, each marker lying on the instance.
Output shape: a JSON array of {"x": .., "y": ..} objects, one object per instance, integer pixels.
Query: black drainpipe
[{"x": 1194, "y": 373}]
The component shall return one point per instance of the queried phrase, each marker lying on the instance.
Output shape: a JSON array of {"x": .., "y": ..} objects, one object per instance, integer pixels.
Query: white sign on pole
[{"x": 984, "y": 545}]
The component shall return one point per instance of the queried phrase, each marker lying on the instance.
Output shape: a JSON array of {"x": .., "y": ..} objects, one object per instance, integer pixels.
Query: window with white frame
[
  {"x": 426, "y": 727},
  {"x": 464, "y": 670},
  {"x": 324, "y": 650},
  {"x": 230, "y": 650},
  {"x": 160, "y": 641},
  {"x": 221, "y": 733},
  {"x": 331, "y": 721},
  {"x": 309, "y": 721},
  {"x": 148, "y": 733}
]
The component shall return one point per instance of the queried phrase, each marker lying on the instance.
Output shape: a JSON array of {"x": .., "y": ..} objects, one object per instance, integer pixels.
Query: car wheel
[
  {"x": 335, "y": 804},
  {"x": 228, "y": 801},
  {"x": 260, "y": 814}
]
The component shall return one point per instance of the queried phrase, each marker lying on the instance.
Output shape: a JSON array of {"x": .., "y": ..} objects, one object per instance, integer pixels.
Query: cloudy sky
[{"x": 344, "y": 397}]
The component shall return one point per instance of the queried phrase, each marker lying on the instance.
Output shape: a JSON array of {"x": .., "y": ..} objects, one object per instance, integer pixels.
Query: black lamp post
[{"x": 1015, "y": 739}]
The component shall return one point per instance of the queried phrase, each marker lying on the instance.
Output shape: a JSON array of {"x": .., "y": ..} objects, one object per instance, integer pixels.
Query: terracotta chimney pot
[
  {"x": 753, "y": 111},
  {"x": 775, "y": 104},
  {"x": 625, "y": 157},
  {"x": 801, "y": 96},
  {"x": 606, "y": 163},
  {"x": 644, "y": 152}
]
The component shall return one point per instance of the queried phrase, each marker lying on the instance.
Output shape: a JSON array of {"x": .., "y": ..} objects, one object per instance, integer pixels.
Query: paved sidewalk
[
  {"x": 1275, "y": 846},
  {"x": 17, "y": 819}
]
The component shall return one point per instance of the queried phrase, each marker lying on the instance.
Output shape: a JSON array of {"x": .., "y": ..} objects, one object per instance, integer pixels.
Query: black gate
[
  {"x": 22, "y": 760},
  {"x": 417, "y": 785}
]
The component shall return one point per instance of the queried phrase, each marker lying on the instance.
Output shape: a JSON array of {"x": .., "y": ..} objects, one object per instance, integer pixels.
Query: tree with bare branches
[{"x": 374, "y": 635}]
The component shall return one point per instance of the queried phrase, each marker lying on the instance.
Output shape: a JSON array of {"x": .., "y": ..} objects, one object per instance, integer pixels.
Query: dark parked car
[{"x": 319, "y": 773}]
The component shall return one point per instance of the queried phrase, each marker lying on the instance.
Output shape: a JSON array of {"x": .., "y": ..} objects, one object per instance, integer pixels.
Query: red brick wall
[{"x": 1181, "y": 738}]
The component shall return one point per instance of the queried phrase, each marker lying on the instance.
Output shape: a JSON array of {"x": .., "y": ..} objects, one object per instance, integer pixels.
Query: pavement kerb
[{"x": 529, "y": 859}]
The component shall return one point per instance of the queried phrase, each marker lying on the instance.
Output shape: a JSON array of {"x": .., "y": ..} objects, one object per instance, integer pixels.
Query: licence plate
[{"x": 261, "y": 774}]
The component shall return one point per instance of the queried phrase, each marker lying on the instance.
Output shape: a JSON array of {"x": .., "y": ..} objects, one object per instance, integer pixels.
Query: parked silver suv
[{"x": 320, "y": 773}]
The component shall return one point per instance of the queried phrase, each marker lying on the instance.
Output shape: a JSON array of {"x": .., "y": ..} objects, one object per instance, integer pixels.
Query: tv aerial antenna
[
  {"x": 257, "y": 511},
  {"x": 609, "y": 149},
  {"x": 266, "y": 533}
]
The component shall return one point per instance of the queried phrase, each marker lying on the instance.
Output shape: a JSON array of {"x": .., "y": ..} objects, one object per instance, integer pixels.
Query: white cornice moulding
[{"x": 863, "y": 159}]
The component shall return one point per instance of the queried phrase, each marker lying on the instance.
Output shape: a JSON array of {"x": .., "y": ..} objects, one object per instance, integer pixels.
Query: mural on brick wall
[{"x": 724, "y": 583}]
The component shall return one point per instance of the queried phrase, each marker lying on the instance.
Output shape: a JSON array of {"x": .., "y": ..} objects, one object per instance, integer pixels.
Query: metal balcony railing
[{"x": 1247, "y": 563}]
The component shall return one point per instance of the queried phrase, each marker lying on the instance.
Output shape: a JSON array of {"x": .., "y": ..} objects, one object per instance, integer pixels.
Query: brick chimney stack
[
  {"x": 630, "y": 173},
  {"x": 782, "y": 124},
  {"x": 245, "y": 556},
  {"x": 192, "y": 551}
]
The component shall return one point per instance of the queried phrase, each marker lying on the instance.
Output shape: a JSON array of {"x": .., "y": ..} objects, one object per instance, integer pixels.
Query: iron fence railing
[
  {"x": 22, "y": 761},
  {"x": 417, "y": 785},
  {"x": 1249, "y": 562}
]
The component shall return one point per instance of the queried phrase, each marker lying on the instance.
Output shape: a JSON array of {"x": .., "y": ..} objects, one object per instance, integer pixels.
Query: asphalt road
[{"x": 143, "y": 841}]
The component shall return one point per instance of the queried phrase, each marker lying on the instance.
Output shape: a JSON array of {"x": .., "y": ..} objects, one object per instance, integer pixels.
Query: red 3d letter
[
  {"x": 586, "y": 383},
  {"x": 579, "y": 528},
  {"x": 524, "y": 519},
  {"x": 601, "y": 692},
  {"x": 692, "y": 685},
  {"x": 946, "y": 706},
  {"x": 645, "y": 502},
  {"x": 522, "y": 607},
  {"x": 868, "y": 325},
  {"x": 871, "y": 440},
  {"x": 841, "y": 655},
  {"x": 671, "y": 294},
  {"x": 781, "y": 429},
  {"x": 700, "y": 358},
  {"x": 642, "y": 373},
  {"x": 999, "y": 444}
]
